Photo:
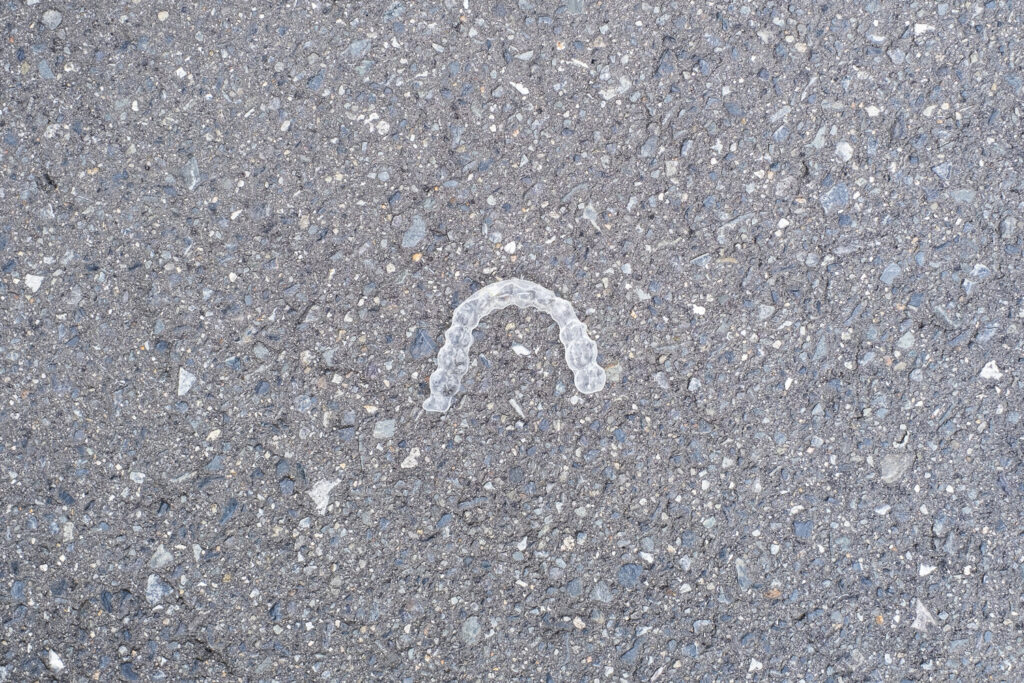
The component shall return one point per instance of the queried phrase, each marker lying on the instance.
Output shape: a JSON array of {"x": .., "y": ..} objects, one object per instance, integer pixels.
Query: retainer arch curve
[{"x": 453, "y": 358}]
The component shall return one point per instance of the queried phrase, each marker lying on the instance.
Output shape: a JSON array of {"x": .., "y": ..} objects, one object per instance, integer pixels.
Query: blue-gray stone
[
  {"x": 316, "y": 81},
  {"x": 963, "y": 195},
  {"x": 127, "y": 672},
  {"x": 384, "y": 429},
  {"x": 743, "y": 574},
  {"x": 650, "y": 147},
  {"x": 734, "y": 109},
  {"x": 803, "y": 529},
  {"x": 1007, "y": 227},
  {"x": 358, "y": 48},
  {"x": 836, "y": 199},
  {"x": 190, "y": 174},
  {"x": 471, "y": 630},
  {"x": 416, "y": 232},
  {"x": 423, "y": 345},
  {"x": 45, "y": 71},
  {"x": 602, "y": 592},
  {"x": 156, "y": 589},
  {"x": 889, "y": 275},
  {"x": 629, "y": 575}
]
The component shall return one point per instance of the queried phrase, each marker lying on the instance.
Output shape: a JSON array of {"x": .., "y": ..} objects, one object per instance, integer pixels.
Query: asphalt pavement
[{"x": 232, "y": 236}]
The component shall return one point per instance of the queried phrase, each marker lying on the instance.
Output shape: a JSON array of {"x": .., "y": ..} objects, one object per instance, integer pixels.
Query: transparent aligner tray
[{"x": 453, "y": 358}]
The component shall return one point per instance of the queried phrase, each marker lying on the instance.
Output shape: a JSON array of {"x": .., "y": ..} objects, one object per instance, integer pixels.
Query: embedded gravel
[{"x": 232, "y": 236}]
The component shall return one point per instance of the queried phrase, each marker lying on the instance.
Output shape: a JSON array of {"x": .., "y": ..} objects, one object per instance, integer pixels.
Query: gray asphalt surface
[{"x": 232, "y": 236}]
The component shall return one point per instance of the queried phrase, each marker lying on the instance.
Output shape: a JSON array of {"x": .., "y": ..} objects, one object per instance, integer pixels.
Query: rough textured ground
[{"x": 231, "y": 239}]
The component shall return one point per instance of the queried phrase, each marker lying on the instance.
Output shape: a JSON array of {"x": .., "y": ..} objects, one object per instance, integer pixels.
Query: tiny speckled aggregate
[
  {"x": 453, "y": 358},
  {"x": 232, "y": 235}
]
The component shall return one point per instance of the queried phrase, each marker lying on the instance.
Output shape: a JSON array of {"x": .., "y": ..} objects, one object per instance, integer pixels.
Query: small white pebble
[
  {"x": 520, "y": 350},
  {"x": 922, "y": 28},
  {"x": 52, "y": 19},
  {"x": 926, "y": 569},
  {"x": 33, "y": 282},
  {"x": 185, "y": 381},
  {"x": 523, "y": 90},
  {"x": 991, "y": 371},
  {"x": 844, "y": 150},
  {"x": 516, "y": 407},
  {"x": 162, "y": 15},
  {"x": 384, "y": 429},
  {"x": 412, "y": 459},
  {"x": 923, "y": 618},
  {"x": 180, "y": 73},
  {"x": 510, "y": 248},
  {"x": 54, "y": 663},
  {"x": 321, "y": 494},
  {"x": 872, "y": 110}
]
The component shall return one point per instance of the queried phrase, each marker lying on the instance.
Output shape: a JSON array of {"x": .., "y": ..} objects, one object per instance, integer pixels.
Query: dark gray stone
[{"x": 423, "y": 345}]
